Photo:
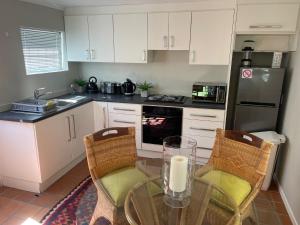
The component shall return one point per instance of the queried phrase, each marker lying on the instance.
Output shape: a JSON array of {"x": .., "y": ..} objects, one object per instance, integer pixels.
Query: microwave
[{"x": 209, "y": 92}]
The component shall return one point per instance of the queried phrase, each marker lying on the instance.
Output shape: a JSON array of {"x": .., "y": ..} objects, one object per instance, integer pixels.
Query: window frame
[{"x": 64, "y": 61}]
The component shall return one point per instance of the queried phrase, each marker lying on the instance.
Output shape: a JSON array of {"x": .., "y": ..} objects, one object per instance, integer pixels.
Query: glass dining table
[{"x": 209, "y": 205}]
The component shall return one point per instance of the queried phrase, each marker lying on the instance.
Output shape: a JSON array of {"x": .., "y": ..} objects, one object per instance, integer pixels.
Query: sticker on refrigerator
[{"x": 247, "y": 73}]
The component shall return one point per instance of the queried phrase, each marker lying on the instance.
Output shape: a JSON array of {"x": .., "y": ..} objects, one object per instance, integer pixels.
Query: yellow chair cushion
[
  {"x": 119, "y": 182},
  {"x": 235, "y": 186}
]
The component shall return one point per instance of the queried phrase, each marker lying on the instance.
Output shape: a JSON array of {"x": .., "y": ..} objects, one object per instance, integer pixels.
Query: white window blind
[{"x": 43, "y": 51}]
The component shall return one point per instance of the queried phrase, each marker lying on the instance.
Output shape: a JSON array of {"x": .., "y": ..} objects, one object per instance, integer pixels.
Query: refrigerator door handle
[{"x": 258, "y": 104}]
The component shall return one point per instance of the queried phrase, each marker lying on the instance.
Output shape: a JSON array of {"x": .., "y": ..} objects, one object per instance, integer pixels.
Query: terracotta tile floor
[{"x": 16, "y": 206}]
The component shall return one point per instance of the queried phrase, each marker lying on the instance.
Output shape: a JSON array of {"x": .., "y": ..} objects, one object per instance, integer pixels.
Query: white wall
[
  {"x": 169, "y": 71},
  {"x": 14, "y": 83},
  {"x": 288, "y": 170}
]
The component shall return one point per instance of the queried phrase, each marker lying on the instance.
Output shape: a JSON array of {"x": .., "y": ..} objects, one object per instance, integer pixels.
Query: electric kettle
[
  {"x": 92, "y": 85},
  {"x": 128, "y": 87}
]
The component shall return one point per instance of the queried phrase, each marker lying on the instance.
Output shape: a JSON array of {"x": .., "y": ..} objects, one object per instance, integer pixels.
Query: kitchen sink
[{"x": 64, "y": 102}]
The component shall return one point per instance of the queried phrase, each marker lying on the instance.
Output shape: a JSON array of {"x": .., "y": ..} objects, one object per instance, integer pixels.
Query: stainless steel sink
[{"x": 65, "y": 102}]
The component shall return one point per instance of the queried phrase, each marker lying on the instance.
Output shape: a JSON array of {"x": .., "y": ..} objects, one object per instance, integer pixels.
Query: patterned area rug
[{"x": 77, "y": 208}]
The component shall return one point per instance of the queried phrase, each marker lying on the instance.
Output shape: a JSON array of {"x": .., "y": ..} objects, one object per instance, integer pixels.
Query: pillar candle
[{"x": 178, "y": 173}]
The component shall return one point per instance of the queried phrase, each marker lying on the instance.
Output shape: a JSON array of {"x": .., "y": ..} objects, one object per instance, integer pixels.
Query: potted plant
[
  {"x": 80, "y": 85},
  {"x": 144, "y": 87}
]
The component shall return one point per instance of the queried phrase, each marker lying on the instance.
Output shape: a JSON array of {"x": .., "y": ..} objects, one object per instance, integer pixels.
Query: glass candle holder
[{"x": 179, "y": 155}]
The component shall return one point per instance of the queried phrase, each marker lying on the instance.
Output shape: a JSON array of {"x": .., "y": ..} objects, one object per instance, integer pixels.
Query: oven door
[{"x": 160, "y": 122}]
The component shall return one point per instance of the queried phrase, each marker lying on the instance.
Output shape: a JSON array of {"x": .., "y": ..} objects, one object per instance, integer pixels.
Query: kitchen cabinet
[
  {"x": 89, "y": 38},
  {"x": 130, "y": 38},
  {"x": 77, "y": 40},
  {"x": 100, "y": 116},
  {"x": 211, "y": 41},
  {"x": 126, "y": 115},
  {"x": 267, "y": 18},
  {"x": 201, "y": 125},
  {"x": 169, "y": 31},
  {"x": 43, "y": 150}
]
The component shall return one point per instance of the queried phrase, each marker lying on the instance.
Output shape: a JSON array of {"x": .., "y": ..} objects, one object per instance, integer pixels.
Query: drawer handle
[
  {"x": 122, "y": 121},
  {"x": 203, "y": 129},
  {"x": 203, "y": 115},
  {"x": 265, "y": 26},
  {"x": 204, "y": 148},
  {"x": 123, "y": 109}
]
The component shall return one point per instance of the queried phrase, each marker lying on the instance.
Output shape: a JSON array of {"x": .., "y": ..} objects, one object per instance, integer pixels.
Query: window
[{"x": 43, "y": 51}]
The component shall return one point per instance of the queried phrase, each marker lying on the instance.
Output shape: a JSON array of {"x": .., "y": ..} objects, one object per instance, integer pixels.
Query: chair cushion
[
  {"x": 119, "y": 182},
  {"x": 235, "y": 186}
]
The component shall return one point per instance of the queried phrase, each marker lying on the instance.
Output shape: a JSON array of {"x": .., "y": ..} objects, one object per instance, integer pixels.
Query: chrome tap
[{"x": 37, "y": 93}]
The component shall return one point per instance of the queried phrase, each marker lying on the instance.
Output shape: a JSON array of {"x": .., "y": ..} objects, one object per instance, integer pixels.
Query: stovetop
[{"x": 166, "y": 98}]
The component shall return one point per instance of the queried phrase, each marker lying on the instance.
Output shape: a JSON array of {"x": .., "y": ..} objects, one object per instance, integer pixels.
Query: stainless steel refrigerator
[{"x": 258, "y": 99}]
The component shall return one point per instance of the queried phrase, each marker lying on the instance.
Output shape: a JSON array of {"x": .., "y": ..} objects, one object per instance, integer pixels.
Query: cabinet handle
[
  {"x": 202, "y": 129},
  {"x": 192, "y": 56},
  {"x": 69, "y": 126},
  {"x": 203, "y": 115},
  {"x": 166, "y": 41},
  {"x": 104, "y": 116},
  {"x": 74, "y": 126},
  {"x": 123, "y": 109},
  {"x": 204, "y": 148},
  {"x": 265, "y": 26},
  {"x": 88, "y": 54},
  {"x": 172, "y": 41},
  {"x": 122, "y": 121},
  {"x": 144, "y": 56},
  {"x": 93, "y": 54}
]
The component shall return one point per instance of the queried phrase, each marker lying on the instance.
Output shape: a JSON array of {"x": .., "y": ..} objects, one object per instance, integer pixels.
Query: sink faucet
[{"x": 37, "y": 93}]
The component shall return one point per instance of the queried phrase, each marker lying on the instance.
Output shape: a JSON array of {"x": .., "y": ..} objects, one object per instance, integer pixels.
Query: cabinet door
[
  {"x": 82, "y": 123},
  {"x": 267, "y": 18},
  {"x": 76, "y": 28},
  {"x": 100, "y": 116},
  {"x": 179, "y": 30},
  {"x": 158, "y": 29},
  {"x": 130, "y": 37},
  {"x": 101, "y": 38},
  {"x": 211, "y": 36},
  {"x": 53, "y": 138}
]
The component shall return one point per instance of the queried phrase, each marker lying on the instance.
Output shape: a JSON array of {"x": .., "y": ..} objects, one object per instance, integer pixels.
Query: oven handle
[
  {"x": 202, "y": 129},
  {"x": 122, "y": 121}
]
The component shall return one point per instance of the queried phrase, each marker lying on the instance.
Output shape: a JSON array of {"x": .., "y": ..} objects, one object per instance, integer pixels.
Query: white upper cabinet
[
  {"x": 211, "y": 37},
  {"x": 158, "y": 31},
  {"x": 89, "y": 38},
  {"x": 169, "y": 31},
  {"x": 179, "y": 30},
  {"x": 76, "y": 28},
  {"x": 101, "y": 37},
  {"x": 267, "y": 18},
  {"x": 130, "y": 37}
]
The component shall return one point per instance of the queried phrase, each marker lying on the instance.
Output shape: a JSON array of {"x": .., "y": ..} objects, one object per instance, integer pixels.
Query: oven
[{"x": 159, "y": 122}]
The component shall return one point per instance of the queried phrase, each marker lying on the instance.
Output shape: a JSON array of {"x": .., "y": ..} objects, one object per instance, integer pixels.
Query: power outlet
[{"x": 277, "y": 58}]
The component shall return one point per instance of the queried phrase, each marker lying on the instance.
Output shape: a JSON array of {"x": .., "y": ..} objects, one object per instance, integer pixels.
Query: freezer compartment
[
  {"x": 253, "y": 118},
  {"x": 265, "y": 85}
]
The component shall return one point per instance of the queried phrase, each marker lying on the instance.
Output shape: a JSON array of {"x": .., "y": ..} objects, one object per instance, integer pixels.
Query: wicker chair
[
  {"x": 109, "y": 150},
  {"x": 242, "y": 155}
]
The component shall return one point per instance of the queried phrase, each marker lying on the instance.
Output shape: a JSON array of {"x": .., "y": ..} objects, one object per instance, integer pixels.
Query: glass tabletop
[{"x": 208, "y": 206}]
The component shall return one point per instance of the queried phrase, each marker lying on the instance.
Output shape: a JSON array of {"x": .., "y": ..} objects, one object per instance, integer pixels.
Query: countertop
[{"x": 135, "y": 99}]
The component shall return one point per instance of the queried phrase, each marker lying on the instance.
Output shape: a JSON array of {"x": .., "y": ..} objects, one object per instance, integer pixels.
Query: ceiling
[{"x": 62, "y": 4}]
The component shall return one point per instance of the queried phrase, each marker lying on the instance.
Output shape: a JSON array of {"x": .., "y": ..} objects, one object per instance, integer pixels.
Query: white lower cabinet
[
  {"x": 35, "y": 154},
  {"x": 201, "y": 125}
]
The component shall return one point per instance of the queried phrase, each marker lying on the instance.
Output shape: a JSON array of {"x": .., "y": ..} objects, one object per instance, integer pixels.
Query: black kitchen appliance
[
  {"x": 160, "y": 122},
  {"x": 118, "y": 88},
  {"x": 91, "y": 86},
  {"x": 166, "y": 99},
  {"x": 209, "y": 92},
  {"x": 258, "y": 99},
  {"x": 128, "y": 87}
]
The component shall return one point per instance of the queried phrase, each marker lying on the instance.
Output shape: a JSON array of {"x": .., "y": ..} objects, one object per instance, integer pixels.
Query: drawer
[
  {"x": 200, "y": 128},
  {"x": 204, "y": 114},
  {"x": 204, "y": 142},
  {"x": 201, "y": 161},
  {"x": 203, "y": 153},
  {"x": 267, "y": 18},
  {"x": 124, "y": 108}
]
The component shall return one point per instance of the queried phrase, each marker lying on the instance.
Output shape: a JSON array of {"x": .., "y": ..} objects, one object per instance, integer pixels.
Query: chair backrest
[
  {"x": 241, "y": 154},
  {"x": 110, "y": 149}
]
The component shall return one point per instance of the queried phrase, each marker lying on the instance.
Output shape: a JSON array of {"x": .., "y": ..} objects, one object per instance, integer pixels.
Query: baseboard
[{"x": 285, "y": 201}]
